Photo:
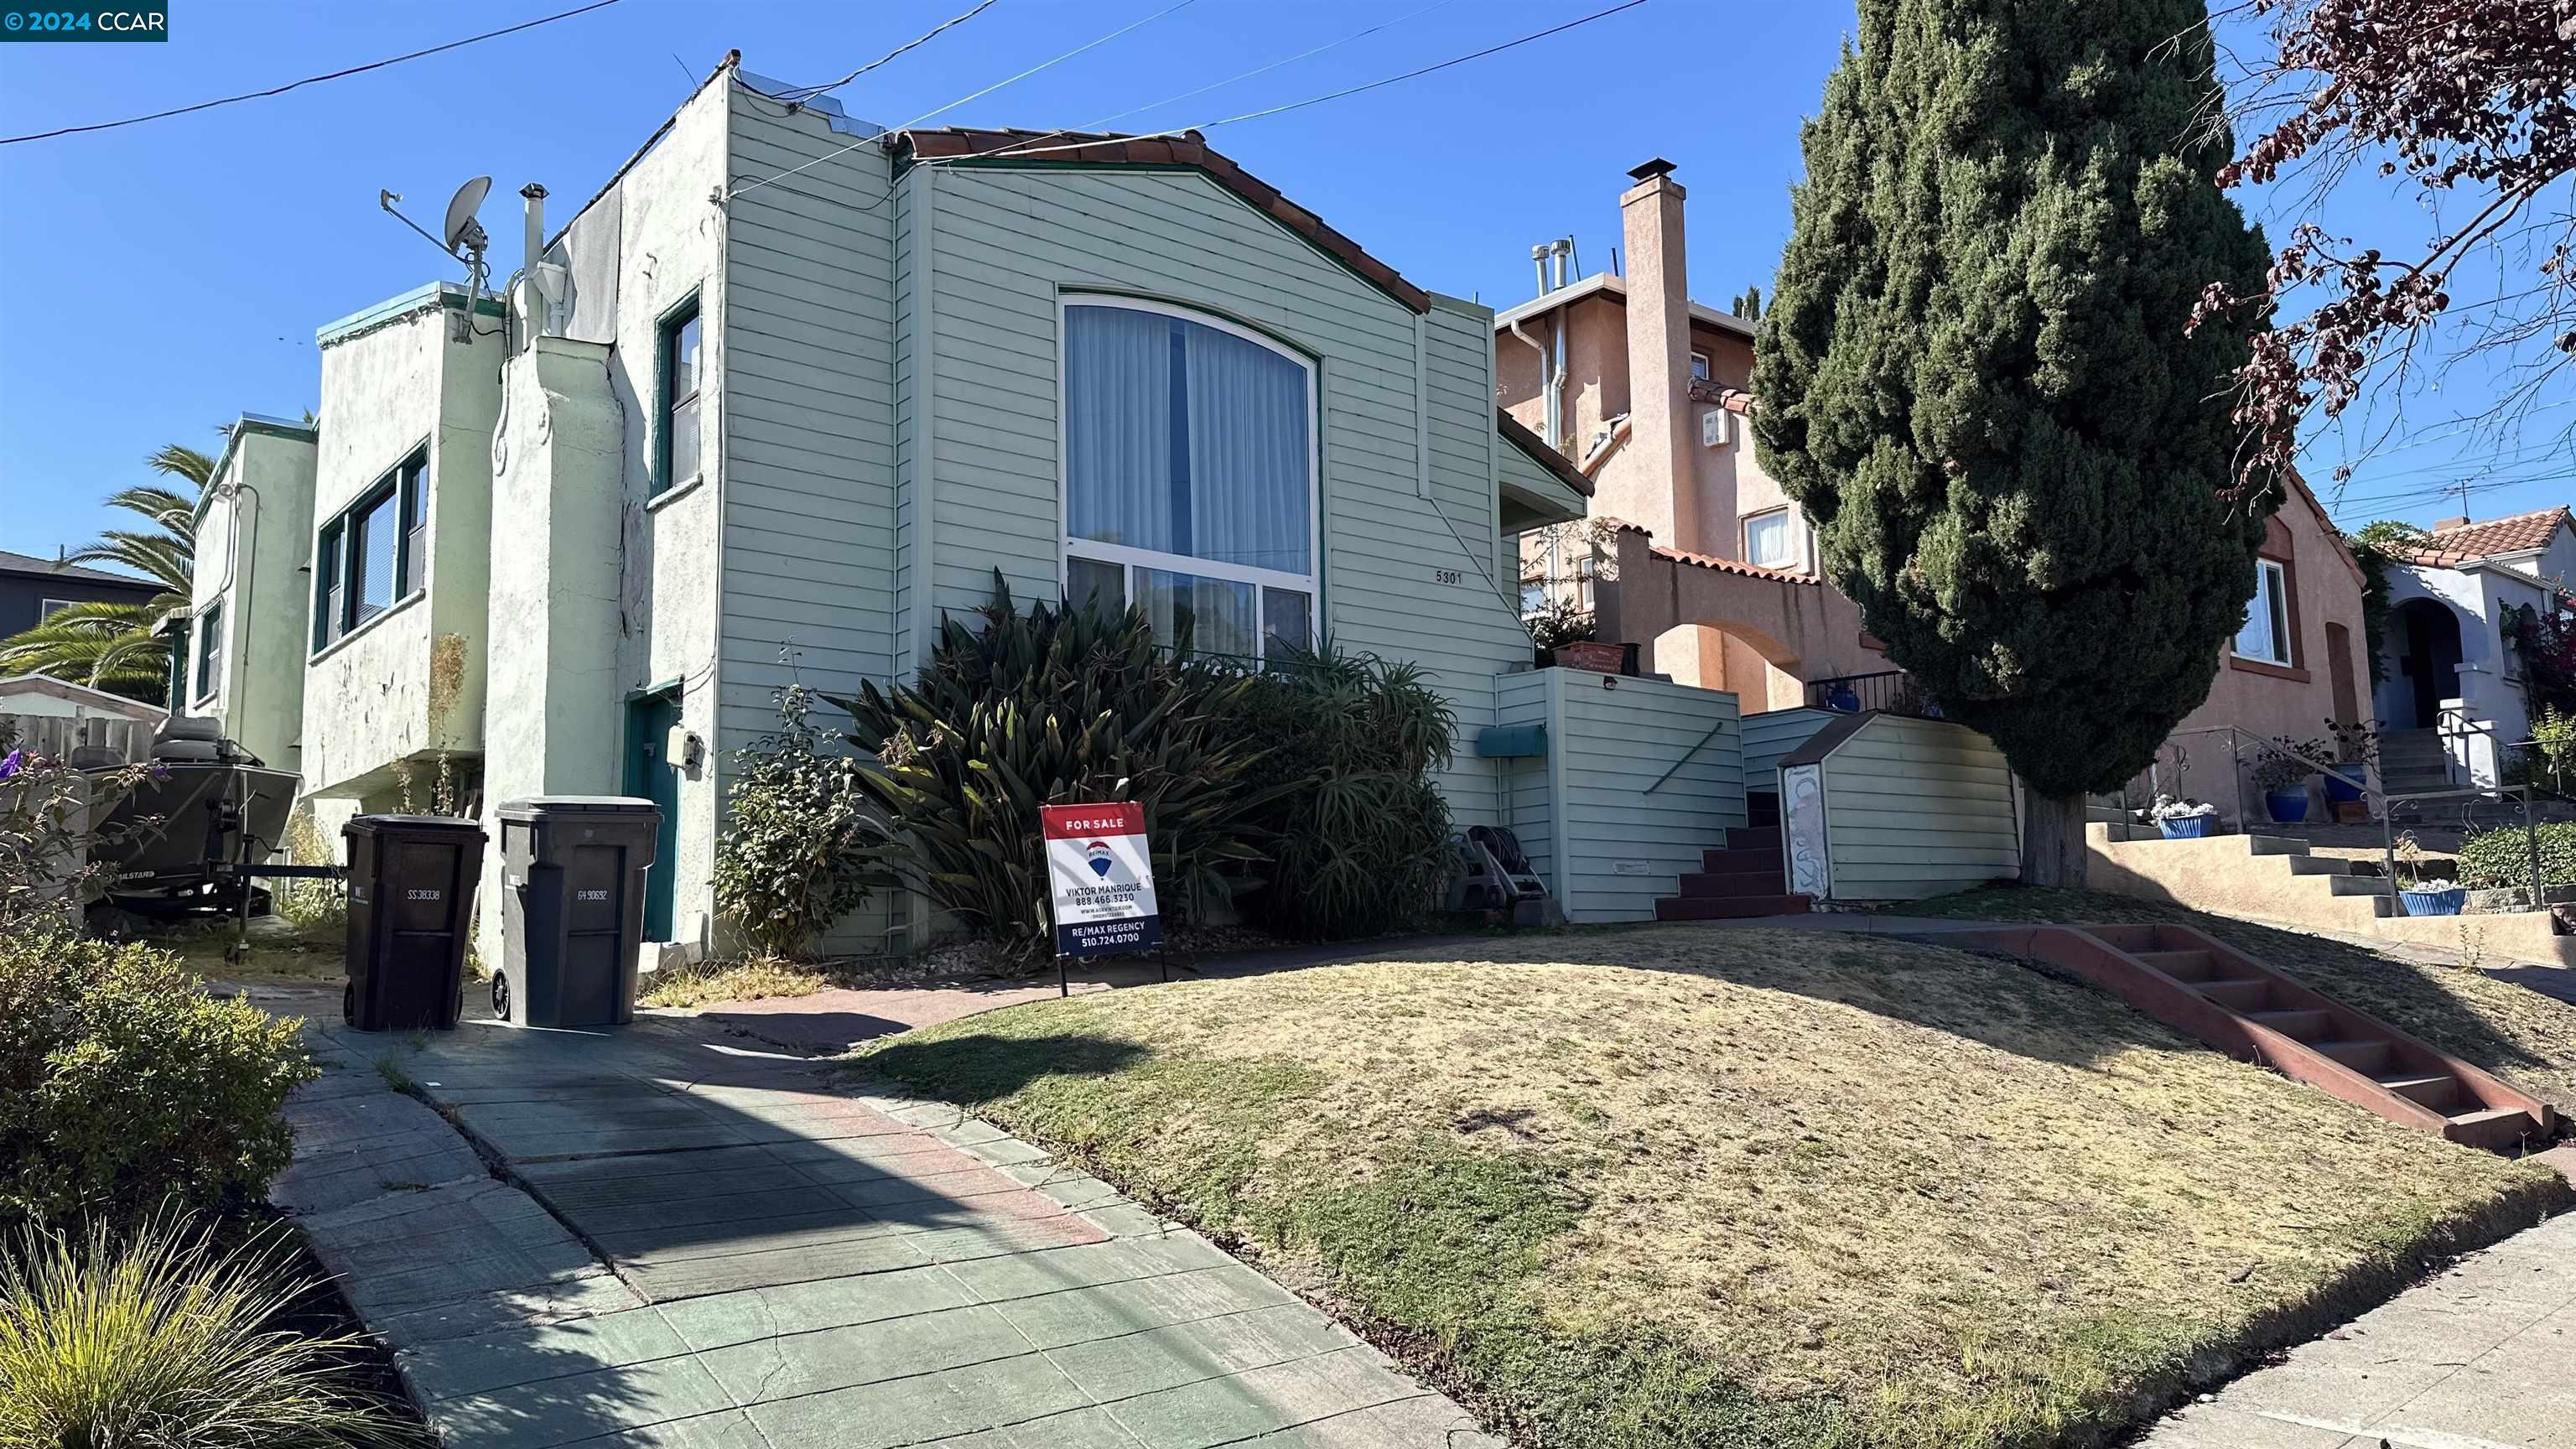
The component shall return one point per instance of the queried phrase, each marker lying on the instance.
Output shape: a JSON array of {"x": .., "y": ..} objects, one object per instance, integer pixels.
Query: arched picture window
[{"x": 1189, "y": 475}]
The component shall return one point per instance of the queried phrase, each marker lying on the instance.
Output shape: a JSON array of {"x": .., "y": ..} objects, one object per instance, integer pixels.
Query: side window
[
  {"x": 374, "y": 554},
  {"x": 1768, "y": 542},
  {"x": 210, "y": 653},
  {"x": 2266, "y": 635},
  {"x": 677, "y": 444}
]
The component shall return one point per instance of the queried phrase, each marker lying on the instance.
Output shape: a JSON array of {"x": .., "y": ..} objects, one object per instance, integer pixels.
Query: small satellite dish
[{"x": 462, "y": 230}]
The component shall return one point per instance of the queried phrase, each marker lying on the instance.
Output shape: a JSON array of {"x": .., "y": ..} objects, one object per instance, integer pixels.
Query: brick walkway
[{"x": 691, "y": 1245}]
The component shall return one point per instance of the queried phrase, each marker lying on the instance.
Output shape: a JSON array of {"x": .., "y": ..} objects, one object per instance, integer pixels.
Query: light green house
[{"x": 788, "y": 391}]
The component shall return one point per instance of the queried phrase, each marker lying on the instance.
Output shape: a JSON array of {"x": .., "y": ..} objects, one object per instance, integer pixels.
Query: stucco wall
[
  {"x": 2268, "y": 702},
  {"x": 253, "y": 557},
  {"x": 634, "y": 252},
  {"x": 368, "y": 697}
]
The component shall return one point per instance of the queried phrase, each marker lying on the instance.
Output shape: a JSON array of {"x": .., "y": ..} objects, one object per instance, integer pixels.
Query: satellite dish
[{"x": 462, "y": 229}]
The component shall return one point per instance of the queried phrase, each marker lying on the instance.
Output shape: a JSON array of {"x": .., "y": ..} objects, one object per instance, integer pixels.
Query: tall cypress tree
[{"x": 1976, "y": 379}]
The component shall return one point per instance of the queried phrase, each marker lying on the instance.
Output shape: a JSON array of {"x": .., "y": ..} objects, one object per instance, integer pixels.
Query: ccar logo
[{"x": 1097, "y": 852}]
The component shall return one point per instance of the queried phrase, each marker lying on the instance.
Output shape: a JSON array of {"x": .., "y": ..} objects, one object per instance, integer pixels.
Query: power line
[
  {"x": 1313, "y": 100},
  {"x": 1094, "y": 126},
  {"x": 800, "y": 94},
  {"x": 961, "y": 100},
  {"x": 310, "y": 79}
]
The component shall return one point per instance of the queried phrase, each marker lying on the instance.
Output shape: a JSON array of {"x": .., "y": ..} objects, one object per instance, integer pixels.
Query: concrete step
[
  {"x": 2319, "y": 865},
  {"x": 2356, "y": 885},
  {"x": 2245, "y": 995},
  {"x": 2365, "y": 1057},
  {"x": 1722, "y": 862},
  {"x": 2274, "y": 845},
  {"x": 2181, "y": 965},
  {"x": 2437, "y": 1090},
  {"x": 2303, "y": 1024},
  {"x": 1755, "y": 838},
  {"x": 1732, "y": 883},
  {"x": 1727, "y": 908},
  {"x": 2496, "y": 1129}
]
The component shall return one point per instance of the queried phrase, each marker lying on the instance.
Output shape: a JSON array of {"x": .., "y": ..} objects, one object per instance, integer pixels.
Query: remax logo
[{"x": 1097, "y": 852}]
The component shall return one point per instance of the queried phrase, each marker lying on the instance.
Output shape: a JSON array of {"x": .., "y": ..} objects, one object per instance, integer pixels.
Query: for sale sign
[{"x": 1101, "y": 879}]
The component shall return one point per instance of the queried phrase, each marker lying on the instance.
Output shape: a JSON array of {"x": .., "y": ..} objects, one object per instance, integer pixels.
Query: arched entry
[
  {"x": 2427, "y": 645},
  {"x": 1723, "y": 655}
]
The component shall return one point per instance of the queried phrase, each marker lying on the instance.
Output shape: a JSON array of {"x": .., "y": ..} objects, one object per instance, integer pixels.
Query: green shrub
[
  {"x": 2498, "y": 859},
  {"x": 793, "y": 857},
  {"x": 1360, "y": 848},
  {"x": 122, "y": 1083},
  {"x": 1056, "y": 706},
  {"x": 166, "y": 1341}
]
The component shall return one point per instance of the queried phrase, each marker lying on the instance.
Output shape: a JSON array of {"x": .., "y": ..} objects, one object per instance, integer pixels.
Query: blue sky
[{"x": 166, "y": 277}]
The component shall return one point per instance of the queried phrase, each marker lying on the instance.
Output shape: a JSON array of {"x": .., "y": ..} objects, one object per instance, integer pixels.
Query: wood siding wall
[
  {"x": 1620, "y": 840},
  {"x": 1769, "y": 736},
  {"x": 1916, "y": 808},
  {"x": 1410, "y": 556},
  {"x": 809, "y": 418}
]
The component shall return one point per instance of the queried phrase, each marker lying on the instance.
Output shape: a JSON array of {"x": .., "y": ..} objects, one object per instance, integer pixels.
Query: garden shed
[{"x": 1888, "y": 807}]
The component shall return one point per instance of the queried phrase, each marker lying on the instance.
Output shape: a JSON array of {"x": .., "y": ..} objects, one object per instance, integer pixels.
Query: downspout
[
  {"x": 1546, "y": 375},
  {"x": 1560, "y": 250}
]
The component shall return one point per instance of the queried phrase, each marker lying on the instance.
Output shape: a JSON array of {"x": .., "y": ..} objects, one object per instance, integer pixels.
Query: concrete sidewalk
[
  {"x": 668, "y": 1240},
  {"x": 2480, "y": 1356}
]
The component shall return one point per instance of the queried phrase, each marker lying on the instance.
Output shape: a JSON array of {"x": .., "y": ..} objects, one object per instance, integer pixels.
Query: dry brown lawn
[{"x": 1684, "y": 1186}]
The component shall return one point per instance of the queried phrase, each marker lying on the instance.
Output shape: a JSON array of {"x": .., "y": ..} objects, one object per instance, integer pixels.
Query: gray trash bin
[{"x": 572, "y": 895}]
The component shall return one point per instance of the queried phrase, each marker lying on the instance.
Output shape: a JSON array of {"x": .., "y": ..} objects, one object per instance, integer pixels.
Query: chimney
[
  {"x": 2445, "y": 525},
  {"x": 1659, "y": 408}
]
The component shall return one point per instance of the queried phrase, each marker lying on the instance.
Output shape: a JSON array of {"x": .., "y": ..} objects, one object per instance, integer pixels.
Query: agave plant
[
  {"x": 1061, "y": 705},
  {"x": 116, "y": 646},
  {"x": 167, "y": 1340}
]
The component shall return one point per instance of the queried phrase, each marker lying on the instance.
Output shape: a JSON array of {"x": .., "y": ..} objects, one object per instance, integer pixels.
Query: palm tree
[{"x": 118, "y": 647}]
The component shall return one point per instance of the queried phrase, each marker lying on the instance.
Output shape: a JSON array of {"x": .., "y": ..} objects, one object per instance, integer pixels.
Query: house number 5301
[{"x": 1446, "y": 576}]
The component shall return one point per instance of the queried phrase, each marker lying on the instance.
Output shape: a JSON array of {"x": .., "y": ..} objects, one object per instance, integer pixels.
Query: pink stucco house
[{"x": 1698, "y": 556}]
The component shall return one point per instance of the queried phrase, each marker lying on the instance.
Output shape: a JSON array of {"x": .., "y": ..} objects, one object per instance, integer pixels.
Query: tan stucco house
[{"x": 1702, "y": 559}]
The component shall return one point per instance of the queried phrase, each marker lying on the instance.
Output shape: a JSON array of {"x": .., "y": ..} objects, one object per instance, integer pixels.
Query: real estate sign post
[{"x": 1100, "y": 880}]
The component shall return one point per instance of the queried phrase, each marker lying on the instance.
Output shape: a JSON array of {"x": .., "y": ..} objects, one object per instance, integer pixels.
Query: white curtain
[
  {"x": 1118, "y": 427},
  {"x": 1247, "y": 453}
]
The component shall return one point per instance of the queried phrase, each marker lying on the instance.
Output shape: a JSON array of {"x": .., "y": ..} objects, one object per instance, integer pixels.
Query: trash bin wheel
[{"x": 500, "y": 996}]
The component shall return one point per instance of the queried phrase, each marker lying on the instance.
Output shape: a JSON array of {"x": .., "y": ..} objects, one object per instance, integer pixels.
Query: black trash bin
[
  {"x": 411, "y": 910},
  {"x": 572, "y": 908}
]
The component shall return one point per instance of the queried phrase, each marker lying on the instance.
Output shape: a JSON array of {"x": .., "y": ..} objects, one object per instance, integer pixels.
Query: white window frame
[
  {"x": 1131, "y": 558},
  {"x": 2278, "y": 575},
  {"x": 1789, "y": 530},
  {"x": 1702, "y": 370},
  {"x": 48, "y": 608}
]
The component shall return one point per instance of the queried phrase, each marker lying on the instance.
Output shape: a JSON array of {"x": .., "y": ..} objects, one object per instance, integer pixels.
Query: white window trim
[
  {"x": 214, "y": 691},
  {"x": 1789, "y": 520},
  {"x": 1128, "y": 557},
  {"x": 1703, "y": 367},
  {"x": 48, "y": 608},
  {"x": 2282, "y": 653}
]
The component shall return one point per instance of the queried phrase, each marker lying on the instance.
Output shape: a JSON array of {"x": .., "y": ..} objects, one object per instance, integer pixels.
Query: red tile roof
[
  {"x": 1733, "y": 399},
  {"x": 1189, "y": 149},
  {"x": 1721, "y": 565},
  {"x": 2467, "y": 543}
]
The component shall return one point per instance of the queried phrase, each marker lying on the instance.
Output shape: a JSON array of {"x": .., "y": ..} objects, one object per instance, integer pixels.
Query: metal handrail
[
  {"x": 2236, "y": 772},
  {"x": 1714, "y": 731}
]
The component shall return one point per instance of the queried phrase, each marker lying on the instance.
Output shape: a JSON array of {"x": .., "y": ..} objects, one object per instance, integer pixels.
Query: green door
[{"x": 652, "y": 775}]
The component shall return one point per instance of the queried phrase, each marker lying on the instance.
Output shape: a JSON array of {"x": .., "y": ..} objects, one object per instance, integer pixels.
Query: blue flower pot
[
  {"x": 2186, "y": 827},
  {"x": 2289, "y": 807},
  {"x": 2435, "y": 903},
  {"x": 2340, "y": 790},
  {"x": 1841, "y": 698}
]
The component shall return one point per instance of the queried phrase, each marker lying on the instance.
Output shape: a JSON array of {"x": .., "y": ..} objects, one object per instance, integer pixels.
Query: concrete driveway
[{"x": 658, "y": 1237}]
